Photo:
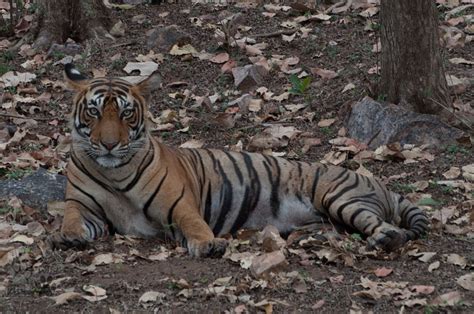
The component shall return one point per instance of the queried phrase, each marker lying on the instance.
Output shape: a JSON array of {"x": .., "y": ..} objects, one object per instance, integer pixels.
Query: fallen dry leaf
[
  {"x": 22, "y": 239},
  {"x": 452, "y": 173},
  {"x": 66, "y": 296},
  {"x": 420, "y": 289},
  {"x": 448, "y": 299},
  {"x": 145, "y": 68},
  {"x": 220, "y": 58},
  {"x": 456, "y": 259},
  {"x": 433, "y": 266},
  {"x": 383, "y": 272},
  {"x": 323, "y": 73},
  {"x": 192, "y": 144},
  {"x": 268, "y": 262},
  {"x": 152, "y": 296},
  {"x": 326, "y": 122},
  {"x": 184, "y": 50},
  {"x": 466, "y": 281},
  {"x": 107, "y": 258}
]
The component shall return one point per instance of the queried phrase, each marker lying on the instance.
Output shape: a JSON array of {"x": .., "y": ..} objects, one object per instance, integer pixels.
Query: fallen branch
[
  {"x": 124, "y": 44},
  {"x": 21, "y": 117},
  {"x": 453, "y": 113}
]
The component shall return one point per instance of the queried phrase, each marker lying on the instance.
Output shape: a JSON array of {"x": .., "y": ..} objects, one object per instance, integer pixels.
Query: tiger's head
[{"x": 109, "y": 117}]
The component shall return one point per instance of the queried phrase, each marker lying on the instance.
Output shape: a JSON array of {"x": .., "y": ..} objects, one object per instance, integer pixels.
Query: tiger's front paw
[
  {"x": 388, "y": 240},
  {"x": 213, "y": 248},
  {"x": 60, "y": 241}
]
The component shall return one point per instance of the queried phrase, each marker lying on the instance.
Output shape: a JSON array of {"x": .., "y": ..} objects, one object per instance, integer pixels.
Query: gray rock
[
  {"x": 376, "y": 124},
  {"x": 69, "y": 48},
  {"x": 162, "y": 38},
  {"x": 35, "y": 190}
]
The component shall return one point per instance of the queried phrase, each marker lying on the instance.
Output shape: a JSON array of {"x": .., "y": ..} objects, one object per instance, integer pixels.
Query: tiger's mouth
[{"x": 109, "y": 160}]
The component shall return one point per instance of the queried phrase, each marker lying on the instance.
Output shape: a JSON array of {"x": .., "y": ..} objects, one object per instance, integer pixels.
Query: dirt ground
[{"x": 333, "y": 276}]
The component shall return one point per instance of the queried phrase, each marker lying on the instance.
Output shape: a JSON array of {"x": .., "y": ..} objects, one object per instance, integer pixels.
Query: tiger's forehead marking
[{"x": 101, "y": 90}]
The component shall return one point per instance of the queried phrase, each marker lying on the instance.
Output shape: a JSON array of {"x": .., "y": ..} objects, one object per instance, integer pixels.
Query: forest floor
[{"x": 433, "y": 274}]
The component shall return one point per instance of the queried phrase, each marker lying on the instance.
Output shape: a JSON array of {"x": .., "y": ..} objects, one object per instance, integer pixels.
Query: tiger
[{"x": 120, "y": 179}]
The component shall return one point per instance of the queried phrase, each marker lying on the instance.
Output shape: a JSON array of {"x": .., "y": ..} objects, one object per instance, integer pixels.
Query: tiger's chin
[{"x": 109, "y": 161}]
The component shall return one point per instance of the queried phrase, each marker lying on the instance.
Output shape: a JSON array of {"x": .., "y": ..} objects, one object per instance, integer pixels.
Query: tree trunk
[
  {"x": 412, "y": 70},
  {"x": 78, "y": 20}
]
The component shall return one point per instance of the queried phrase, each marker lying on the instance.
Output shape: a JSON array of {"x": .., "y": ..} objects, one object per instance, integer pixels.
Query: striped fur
[{"x": 142, "y": 187}]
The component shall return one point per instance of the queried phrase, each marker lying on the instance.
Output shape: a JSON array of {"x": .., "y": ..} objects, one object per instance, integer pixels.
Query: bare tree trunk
[
  {"x": 78, "y": 20},
  {"x": 412, "y": 69}
]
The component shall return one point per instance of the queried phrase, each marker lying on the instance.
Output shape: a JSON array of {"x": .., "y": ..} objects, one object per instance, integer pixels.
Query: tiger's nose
[{"x": 109, "y": 144}]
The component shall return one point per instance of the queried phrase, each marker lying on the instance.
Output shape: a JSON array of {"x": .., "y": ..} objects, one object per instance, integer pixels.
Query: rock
[
  {"x": 249, "y": 77},
  {"x": 271, "y": 239},
  {"x": 468, "y": 172},
  {"x": 70, "y": 48},
  {"x": 163, "y": 38},
  {"x": 35, "y": 190},
  {"x": 268, "y": 262},
  {"x": 375, "y": 124},
  {"x": 118, "y": 30},
  {"x": 140, "y": 19}
]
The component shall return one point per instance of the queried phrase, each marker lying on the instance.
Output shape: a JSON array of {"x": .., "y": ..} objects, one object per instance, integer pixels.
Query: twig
[
  {"x": 274, "y": 34},
  {"x": 124, "y": 44}
]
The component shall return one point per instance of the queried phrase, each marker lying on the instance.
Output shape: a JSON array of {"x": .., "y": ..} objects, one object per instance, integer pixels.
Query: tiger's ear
[
  {"x": 149, "y": 84},
  {"x": 74, "y": 79}
]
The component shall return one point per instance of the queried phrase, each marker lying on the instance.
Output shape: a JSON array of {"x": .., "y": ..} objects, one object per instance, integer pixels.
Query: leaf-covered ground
[{"x": 319, "y": 61}]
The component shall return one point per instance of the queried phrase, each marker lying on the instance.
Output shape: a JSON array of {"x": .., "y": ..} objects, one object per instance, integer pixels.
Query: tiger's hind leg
[{"x": 77, "y": 229}]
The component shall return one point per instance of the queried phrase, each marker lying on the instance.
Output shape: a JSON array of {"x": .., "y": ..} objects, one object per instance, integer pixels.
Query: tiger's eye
[
  {"x": 127, "y": 112},
  {"x": 93, "y": 111}
]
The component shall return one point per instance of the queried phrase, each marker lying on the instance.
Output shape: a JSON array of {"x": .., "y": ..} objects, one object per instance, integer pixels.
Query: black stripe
[
  {"x": 410, "y": 220},
  {"x": 226, "y": 205},
  {"x": 102, "y": 219},
  {"x": 236, "y": 166},
  {"x": 170, "y": 213},
  {"x": 208, "y": 206},
  {"x": 355, "y": 214},
  {"x": 255, "y": 184},
  {"x": 93, "y": 233},
  {"x": 315, "y": 184},
  {"x": 76, "y": 161},
  {"x": 327, "y": 202},
  {"x": 140, "y": 171},
  {"x": 103, "y": 213},
  {"x": 199, "y": 158},
  {"x": 244, "y": 212},
  {"x": 375, "y": 226},
  {"x": 275, "y": 183},
  {"x": 152, "y": 197},
  {"x": 300, "y": 171}
]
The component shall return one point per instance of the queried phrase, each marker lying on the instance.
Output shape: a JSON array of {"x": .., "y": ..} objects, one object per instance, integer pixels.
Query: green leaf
[{"x": 428, "y": 201}]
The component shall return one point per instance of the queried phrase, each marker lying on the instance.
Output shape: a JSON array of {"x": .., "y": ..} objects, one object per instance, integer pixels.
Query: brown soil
[{"x": 28, "y": 288}]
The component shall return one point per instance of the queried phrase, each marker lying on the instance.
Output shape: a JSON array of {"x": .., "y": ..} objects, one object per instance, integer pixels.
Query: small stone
[
  {"x": 163, "y": 38},
  {"x": 118, "y": 29}
]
